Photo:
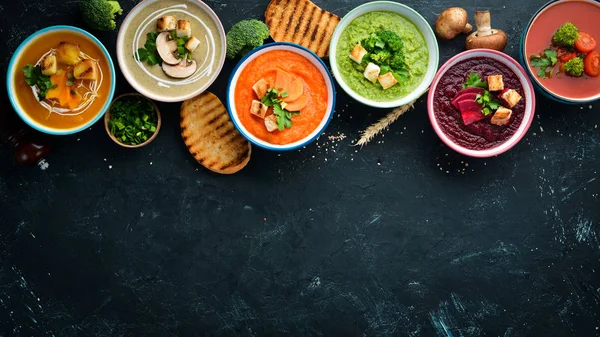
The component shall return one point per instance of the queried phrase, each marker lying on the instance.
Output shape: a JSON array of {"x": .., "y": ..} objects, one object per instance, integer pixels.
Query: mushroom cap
[
  {"x": 452, "y": 22},
  {"x": 166, "y": 48},
  {"x": 184, "y": 69},
  {"x": 496, "y": 40}
]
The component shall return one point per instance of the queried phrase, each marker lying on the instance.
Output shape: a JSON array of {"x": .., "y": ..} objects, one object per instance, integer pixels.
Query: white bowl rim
[
  {"x": 432, "y": 65},
  {"x": 11, "y": 72},
  {"x": 313, "y": 58},
  {"x": 168, "y": 99},
  {"x": 529, "y": 108},
  {"x": 526, "y": 57}
]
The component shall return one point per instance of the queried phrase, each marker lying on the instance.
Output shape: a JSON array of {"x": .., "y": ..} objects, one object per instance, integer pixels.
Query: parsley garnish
[
  {"x": 488, "y": 104},
  {"x": 546, "y": 62},
  {"x": 474, "y": 80},
  {"x": 149, "y": 54},
  {"x": 133, "y": 120},
  {"x": 284, "y": 117},
  {"x": 34, "y": 77}
]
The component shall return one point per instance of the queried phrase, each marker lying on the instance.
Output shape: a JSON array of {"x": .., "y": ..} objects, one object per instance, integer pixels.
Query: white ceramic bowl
[
  {"x": 309, "y": 55},
  {"x": 515, "y": 67},
  {"x": 409, "y": 14},
  {"x": 126, "y": 50},
  {"x": 13, "y": 69}
]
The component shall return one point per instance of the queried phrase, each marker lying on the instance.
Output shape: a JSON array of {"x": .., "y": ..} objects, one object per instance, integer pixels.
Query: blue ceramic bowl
[
  {"x": 13, "y": 69},
  {"x": 309, "y": 55},
  {"x": 523, "y": 57}
]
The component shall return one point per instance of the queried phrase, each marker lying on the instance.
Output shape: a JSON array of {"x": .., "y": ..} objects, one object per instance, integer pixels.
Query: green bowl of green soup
[{"x": 384, "y": 54}]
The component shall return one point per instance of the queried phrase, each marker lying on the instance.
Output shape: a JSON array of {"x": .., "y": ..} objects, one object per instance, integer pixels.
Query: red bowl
[{"x": 529, "y": 97}]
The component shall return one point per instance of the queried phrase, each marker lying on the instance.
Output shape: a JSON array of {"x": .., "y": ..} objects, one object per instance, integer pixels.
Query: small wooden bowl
[{"x": 107, "y": 118}]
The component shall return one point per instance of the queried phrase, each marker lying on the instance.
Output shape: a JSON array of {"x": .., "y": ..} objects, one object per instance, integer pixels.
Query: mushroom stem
[
  {"x": 468, "y": 28},
  {"x": 483, "y": 21}
]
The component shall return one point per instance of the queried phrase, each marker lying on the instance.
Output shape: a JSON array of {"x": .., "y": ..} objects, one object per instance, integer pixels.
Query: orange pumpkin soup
[
  {"x": 81, "y": 89},
  {"x": 267, "y": 66}
]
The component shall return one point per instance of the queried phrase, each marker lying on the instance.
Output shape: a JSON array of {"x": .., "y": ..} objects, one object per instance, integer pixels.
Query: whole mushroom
[
  {"x": 485, "y": 36},
  {"x": 452, "y": 22}
]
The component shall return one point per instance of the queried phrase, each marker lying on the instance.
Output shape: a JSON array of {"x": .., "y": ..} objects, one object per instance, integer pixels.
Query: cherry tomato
[
  {"x": 565, "y": 55},
  {"x": 591, "y": 64},
  {"x": 585, "y": 42}
]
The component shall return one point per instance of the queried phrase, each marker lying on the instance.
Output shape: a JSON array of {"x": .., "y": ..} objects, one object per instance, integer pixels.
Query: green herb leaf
[
  {"x": 474, "y": 80},
  {"x": 545, "y": 62},
  {"x": 34, "y": 77},
  {"x": 487, "y": 102}
]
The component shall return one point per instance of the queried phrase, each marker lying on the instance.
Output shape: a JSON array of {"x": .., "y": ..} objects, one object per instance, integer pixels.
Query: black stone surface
[{"x": 401, "y": 238}]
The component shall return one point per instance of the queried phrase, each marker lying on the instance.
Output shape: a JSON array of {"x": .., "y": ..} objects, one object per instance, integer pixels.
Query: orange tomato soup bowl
[
  {"x": 537, "y": 36},
  {"x": 265, "y": 63},
  {"x": 25, "y": 102}
]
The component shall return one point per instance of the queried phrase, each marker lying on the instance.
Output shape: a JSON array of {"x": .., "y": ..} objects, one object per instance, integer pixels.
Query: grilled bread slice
[
  {"x": 211, "y": 137},
  {"x": 301, "y": 22}
]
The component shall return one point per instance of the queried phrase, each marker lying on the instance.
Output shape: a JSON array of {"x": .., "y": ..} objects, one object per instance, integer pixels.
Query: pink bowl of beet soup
[{"x": 481, "y": 103}]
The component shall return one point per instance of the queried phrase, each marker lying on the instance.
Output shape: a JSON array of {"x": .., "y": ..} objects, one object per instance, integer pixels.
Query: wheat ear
[{"x": 374, "y": 129}]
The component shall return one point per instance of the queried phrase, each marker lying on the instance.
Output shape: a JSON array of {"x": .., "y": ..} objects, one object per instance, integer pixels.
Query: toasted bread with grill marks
[
  {"x": 301, "y": 22},
  {"x": 211, "y": 137}
]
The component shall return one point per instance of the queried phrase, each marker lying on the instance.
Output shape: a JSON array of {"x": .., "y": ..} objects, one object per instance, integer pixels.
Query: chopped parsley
[
  {"x": 284, "y": 117},
  {"x": 545, "y": 61},
  {"x": 133, "y": 120},
  {"x": 34, "y": 77},
  {"x": 181, "y": 41},
  {"x": 474, "y": 81},
  {"x": 488, "y": 104}
]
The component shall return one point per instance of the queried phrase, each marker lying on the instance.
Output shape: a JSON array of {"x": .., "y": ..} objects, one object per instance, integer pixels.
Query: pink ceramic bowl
[{"x": 528, "y": 97}]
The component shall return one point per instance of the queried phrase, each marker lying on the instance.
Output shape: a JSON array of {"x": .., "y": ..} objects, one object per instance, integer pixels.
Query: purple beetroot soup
[{"x": 480, "y": 135}]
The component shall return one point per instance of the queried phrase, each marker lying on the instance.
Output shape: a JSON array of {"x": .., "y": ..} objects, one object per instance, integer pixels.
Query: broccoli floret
[
  {"x": 397, "y": 62},
  {"x": 566, "y": 35},
  {"x": 100, "y": 14},
  {"x": 391, "y": 40},
  {"x": 380, "y": 56},
  {"x": 574, "y": 67},
  {"x": 245, "y": 36}
]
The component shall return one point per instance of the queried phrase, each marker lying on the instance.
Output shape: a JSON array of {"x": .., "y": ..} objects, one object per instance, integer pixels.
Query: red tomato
[
  {"x": 591, "y": 64},
  {"x": 565, "y": 55},
  {"x": 585, "y": 42}
]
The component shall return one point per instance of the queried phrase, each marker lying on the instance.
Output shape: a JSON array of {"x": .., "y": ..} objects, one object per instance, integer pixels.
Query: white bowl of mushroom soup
[{"x": 171, "y": 50}]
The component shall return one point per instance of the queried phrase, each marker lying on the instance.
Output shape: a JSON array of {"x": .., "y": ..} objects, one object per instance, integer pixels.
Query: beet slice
[
  {"x": 470, "y": 111},
  {"x": 472, "y": 91},
  {"x": 471, "y": 96},
  {"x": 476, "y": 90}
]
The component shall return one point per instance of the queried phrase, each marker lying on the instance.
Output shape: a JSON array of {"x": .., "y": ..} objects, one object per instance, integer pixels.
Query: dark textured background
[{"x": 401, "y": 238}]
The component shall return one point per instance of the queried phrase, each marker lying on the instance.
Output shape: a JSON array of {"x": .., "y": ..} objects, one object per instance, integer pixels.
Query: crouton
[
  {"x": 258, "y": 109},
  {"x": 166, "y": 23},
  {"x": 271, "y": 123},
  {"x": 502, "y": 116},
  {"x": 511, "y": 97},
  {"x": 495, "y": 83},
  {"x": 86, "y": 70},
  {"x": 358, "y": 53},
  {"x": 372, "y": 72},
  {"x": 260, "y": 88},
  {"x": 48, "y": 65},
  {"x": 67, "y": 53},
  {"x": 387, "y": 81},
  {"x": 184, "y": 28},
  {"x": 192, "y": 44}
]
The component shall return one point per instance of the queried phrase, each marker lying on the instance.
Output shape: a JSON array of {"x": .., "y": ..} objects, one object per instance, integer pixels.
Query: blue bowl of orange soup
[
  {"x": 537, "y": 37},
  {"x": 61, "y": 80}
]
